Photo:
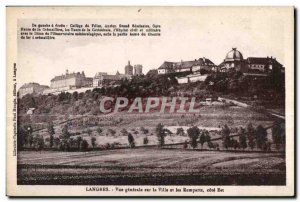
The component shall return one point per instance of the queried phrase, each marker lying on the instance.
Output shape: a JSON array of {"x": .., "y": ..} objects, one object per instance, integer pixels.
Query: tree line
[{"x": 248, "y": 137}]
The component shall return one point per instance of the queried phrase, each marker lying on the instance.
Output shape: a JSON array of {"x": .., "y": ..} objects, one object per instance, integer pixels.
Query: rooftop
[
  {"x": 186, "y": 64},
  {"x": 67, "y": 76}
]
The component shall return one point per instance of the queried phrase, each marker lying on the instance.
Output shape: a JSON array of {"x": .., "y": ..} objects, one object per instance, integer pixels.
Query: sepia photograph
[{"x": 150, "y": 101}]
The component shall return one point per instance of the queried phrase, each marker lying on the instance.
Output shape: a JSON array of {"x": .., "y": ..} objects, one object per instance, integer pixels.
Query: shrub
[
  {"x": 84, "y": 145},
  {"x": 131, "y": 140},
  {"x": 145, "y": 141},
  {"x": 193, "y": 134},
  {"x": 93, "y": 141}
]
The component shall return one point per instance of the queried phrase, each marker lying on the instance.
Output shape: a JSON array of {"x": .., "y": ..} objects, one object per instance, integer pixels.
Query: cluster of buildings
[
  {"x": 78, "y": 80},
  {"x": 197, "y": 70},
  {"x": 233, "y": 60}
]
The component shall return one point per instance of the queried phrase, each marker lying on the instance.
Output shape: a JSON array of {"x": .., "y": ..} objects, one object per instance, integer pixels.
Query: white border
[{"x": 106, "y": 2}]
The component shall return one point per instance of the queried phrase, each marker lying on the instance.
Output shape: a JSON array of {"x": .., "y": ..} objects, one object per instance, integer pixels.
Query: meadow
[
  {"x": 211, "y": 118},
  {"x": 151, "y": 166}
]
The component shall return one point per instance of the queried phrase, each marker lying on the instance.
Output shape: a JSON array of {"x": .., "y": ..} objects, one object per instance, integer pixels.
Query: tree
[
  {"x": 242, "y": 138},
  {"x": 180, "y": 132},
  {"x": 93, "y": 140},
  {"x": 185, "y": 145},
  {"x": 38, "y": 142},
  {"x": 261, "y": 137},
  {"x": 131, "y": 140},
  {"x": 22, "y": 138},
  {"x": 207, "y": 136},
  {"x": 211, "y": 145},
  {"x": 41, "y": 143},
  {"x": 29, "y": 136},
  {"x": 278, "y": 134},
  {"x": 144, "y": 130},
  {"x": 225, "y": 137},
  {"x": 89, "y": 131},
  {"x": 84, "y": 145},
  {"x": 56, "y": 141},
  {"x": 112, "y": 131},
  {"x": 145, "y": 141},
  {"x": 51, "y": 132},
  {"x": 65, "y": 135},
  {"x": 161, "y": 133},
  {"x": 193, "y": 134},
  {"x": 30, "y": 139},
  {"x": 251, "y": 136},
  {"x": 124, "y": 131},
  {"x": 78, "y": 141},
  {"x": 71, "y": 143},
  {"x": 99, "y": 130},
  {"x": 202, "y": 139},
  {"x": 235, "y": 144}
]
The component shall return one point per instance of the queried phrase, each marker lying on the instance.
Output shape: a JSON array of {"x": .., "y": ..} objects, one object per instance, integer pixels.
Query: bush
[
  {"x": 84, "y": 145},
  {"x": 131, "y": 140},
  {"x": 144, "y": 130},
  {"x": 99, "y": 130},
  {"x": 111, "y": 131},
  {"x": 145, "y": 141},
  {"x": 93, "y": 141},
  {"x": 193, "y": 134}
]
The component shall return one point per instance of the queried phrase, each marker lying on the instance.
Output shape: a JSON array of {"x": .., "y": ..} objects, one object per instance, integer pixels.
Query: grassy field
[
  {"x": 151, "y": 166},
  {"x": 210, "y": 117}
]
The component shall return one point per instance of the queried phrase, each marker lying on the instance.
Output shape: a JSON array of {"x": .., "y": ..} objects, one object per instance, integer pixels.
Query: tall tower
[
  {"x": 129, "y": 69},
  {"x": 138, "y": 69}
]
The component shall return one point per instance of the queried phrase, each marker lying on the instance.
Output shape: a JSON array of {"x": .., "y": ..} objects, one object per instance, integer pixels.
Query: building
[
  {"x": 129, "y": 69},
  {"x": 233, "y": 61},
  {"x": 97, "y": 79},
  {"x": 263, "y": 65},
  {"x": 138, "y": 69},
  {"x": 103, "y": 79},
  {"x": 191, "y": 78},
  {"x": 166, "y": 67},
  {"x": 32, "y": 88},
  {"x": 70, "y": 81},
  {"x": 195, "y": 66},
  {"x": 256, "y": 65},
  {"x": 202, "y": 65}
]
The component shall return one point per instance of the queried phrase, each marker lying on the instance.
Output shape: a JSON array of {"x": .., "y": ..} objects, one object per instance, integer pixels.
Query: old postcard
[{"x": 150, "y": 101}]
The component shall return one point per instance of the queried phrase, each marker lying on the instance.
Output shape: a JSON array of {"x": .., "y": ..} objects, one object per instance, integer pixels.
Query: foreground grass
[{"x": 151, "y": 166}]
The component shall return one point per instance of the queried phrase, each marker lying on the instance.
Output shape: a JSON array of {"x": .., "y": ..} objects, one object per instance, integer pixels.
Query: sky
[{"x": 187, "y": 34}]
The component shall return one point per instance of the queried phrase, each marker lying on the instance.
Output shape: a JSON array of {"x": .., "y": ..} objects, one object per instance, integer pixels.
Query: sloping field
[
  {"x": 151, "y": 166},
  {"x": 210, "y": 118}
]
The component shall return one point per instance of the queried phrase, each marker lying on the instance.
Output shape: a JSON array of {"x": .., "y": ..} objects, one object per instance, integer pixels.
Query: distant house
[
  {"x": 194, "y": 66},
  {"x": 166, "y": 67},
  {"x": 70, "y": 81},
  {"x": 203, "y": 64},
  {"x": 252, "y": 65},
  {"x": 191, "y": 78},
  {"x": 103, "y": 79},
  {"x": 32, "y": 88},
  {"x": 263, "y": 64}
]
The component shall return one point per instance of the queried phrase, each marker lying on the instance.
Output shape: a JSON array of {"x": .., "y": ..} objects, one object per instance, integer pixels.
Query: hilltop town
[
  {"x": 240, "y": 111},
  {"x": 184, "y": 71}
]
